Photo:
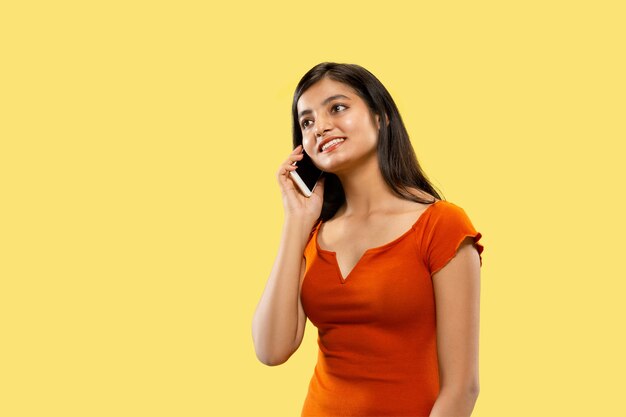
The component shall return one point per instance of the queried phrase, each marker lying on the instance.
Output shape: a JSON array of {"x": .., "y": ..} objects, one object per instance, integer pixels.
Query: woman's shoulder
[
  {"x": 447, "y": 214},
  {"x": 436, "y": 209},
  {"x": 446, "y": 207},
  {"x": 428, "y": 203}
]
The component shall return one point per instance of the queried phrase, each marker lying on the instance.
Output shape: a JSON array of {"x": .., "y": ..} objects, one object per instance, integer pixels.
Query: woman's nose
[{"x": 322, "y": 124}]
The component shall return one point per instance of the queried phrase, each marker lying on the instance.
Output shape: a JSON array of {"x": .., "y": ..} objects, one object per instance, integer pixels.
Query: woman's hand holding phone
[{"x": 295, "y": 202}]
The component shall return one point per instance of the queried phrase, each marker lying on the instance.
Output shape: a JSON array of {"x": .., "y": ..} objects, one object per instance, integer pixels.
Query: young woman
[{"x": 386, "y": 270}]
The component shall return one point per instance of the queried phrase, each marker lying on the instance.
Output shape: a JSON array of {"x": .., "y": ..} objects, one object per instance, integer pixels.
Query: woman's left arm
[{"x": 457, "y": 298}]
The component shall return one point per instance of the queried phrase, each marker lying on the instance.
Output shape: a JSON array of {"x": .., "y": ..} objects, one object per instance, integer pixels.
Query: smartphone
[{"x": 306, "y": 175}]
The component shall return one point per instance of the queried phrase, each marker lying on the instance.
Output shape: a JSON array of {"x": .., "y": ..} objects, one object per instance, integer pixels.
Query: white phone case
[{"x": 305, "y": 190}]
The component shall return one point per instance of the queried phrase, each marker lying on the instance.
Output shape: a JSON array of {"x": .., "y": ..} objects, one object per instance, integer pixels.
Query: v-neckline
[{"x": 370, "y": 250}]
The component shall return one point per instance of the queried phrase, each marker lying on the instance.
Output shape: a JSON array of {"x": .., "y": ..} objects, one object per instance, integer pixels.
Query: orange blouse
[{"x": 377, "y": 328}]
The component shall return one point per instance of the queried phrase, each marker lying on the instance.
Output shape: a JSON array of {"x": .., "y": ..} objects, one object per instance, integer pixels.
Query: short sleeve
[
  {"x": 309, "y": 247},
  {"x": 449, "y": 228}
]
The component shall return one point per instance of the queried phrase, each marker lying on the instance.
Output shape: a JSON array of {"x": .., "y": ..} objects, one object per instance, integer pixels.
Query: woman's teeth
[{"x": 331, "y": 143}]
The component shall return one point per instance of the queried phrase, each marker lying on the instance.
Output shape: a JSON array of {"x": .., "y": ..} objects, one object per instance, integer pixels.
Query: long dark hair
[{"x": 396, "y": 157}]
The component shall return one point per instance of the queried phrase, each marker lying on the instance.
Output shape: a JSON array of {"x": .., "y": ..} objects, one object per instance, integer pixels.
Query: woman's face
[{"x": 330, "y": 109}]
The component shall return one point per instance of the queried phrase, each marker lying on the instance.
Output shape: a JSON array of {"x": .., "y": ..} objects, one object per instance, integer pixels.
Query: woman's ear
[{"x": 378, "y": 120}]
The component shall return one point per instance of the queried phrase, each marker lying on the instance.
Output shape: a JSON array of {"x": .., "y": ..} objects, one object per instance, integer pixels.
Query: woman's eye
[{"x": 335, "y": 107}]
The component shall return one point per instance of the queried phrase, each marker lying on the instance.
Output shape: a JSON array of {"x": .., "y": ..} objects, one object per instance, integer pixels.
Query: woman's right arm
[
  {"x": 279, "y": 320},
  {"x": 278, "y": 325}
]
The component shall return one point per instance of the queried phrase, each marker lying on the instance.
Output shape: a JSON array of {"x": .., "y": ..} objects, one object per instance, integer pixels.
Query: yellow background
[{"x": 140, "y": 213}]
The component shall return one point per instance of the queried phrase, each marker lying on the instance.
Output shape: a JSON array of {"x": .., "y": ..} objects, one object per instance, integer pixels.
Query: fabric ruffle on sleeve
[{"x": 449, "y": 229}]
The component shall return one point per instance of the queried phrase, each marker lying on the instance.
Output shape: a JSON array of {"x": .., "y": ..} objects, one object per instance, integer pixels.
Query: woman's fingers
[
  {"x": 285, "y": 168},
  {"x": 295, "y": 156},
  {"x": 296, "y": 152}
]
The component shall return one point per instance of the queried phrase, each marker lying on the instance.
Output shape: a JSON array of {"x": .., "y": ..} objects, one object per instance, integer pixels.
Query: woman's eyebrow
[{"x": 326, "y": 101}]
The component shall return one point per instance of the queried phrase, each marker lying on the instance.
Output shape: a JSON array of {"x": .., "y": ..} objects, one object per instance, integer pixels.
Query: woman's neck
[{"x": 366, "y": 191}]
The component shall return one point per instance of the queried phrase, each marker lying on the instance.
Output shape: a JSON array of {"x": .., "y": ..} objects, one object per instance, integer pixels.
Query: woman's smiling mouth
[{"x": 332, "y": 144}]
